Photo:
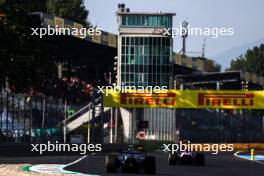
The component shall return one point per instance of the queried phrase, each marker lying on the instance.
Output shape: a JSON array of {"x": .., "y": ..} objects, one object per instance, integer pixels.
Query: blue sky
[{"x": 245, "y": 16}]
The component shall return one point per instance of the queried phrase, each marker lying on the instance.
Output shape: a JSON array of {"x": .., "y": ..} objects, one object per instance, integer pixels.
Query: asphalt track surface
[
  {"x": 38, "y": 160},
  {"x": 224, "y": 164}
]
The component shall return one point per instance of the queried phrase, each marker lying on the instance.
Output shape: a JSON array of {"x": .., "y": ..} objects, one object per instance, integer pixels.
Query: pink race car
[{"x": 187, "y": 158}]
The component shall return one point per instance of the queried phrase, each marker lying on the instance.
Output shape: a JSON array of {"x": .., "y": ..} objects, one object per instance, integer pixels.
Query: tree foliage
[
  {"x": 212, "y": 66},
  {"x": 251, "y": 61},
  {"x": 72, "y": 9},
  {"x": 28, "y": 61}
]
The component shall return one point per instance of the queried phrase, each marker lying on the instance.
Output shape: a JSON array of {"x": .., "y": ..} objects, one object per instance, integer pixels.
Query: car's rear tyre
[
  {"x": 173, "y": 159},
  {"x": 199, "y": 159},
  {"x": 111, "y": 163},
  {"x": 149, "y": 165}
]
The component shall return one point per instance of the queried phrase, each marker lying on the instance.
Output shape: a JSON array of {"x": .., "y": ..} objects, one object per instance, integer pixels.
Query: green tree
[
  {"x": 251, "y": 61},
  {"x": 212, "y": 66},
  {"x": 28, "y": 61},
  {"x": 26, "y": 5},
  {"x": 24, "y": 59},
  {"x": 13, "y": 39},
  {"x": 71, "y": 9}
]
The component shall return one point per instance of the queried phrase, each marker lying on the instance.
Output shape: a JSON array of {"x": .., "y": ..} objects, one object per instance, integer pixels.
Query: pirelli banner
[{"x": 186, "y": 99}]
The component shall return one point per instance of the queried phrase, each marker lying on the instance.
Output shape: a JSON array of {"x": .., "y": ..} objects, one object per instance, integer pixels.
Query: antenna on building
[
  {"x": 184, "y": 34},
  {"x": 122, "y": 7},
  {"x": 203, "y": 50}
]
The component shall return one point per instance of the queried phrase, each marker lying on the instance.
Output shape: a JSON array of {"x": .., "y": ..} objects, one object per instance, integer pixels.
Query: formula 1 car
[
  {"x": 187, "y": 158},
  {"x": 131, "y": 161}
]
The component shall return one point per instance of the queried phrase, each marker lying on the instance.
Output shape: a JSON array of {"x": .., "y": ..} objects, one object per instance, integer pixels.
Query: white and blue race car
[{"x": 131, "y": 161}]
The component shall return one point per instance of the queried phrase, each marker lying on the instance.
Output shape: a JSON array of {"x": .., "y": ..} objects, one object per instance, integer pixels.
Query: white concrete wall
[{"x": 127, "y": 123}]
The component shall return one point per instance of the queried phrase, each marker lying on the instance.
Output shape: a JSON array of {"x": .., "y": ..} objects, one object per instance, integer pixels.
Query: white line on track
[
  {"x": 58, "y": 168},
  {"x": 74, "y": 162},
  {"x": 260, "y": 162},
  {"x": 236, "y": 154}
]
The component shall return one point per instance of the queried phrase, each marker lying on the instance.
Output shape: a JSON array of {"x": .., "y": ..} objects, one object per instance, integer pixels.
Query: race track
[{"x": 224, "y": 164}]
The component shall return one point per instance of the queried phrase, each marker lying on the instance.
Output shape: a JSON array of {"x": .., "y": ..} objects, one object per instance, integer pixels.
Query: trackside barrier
[
  {"x": 205, "y": 99},
  {"x": 248, "y": 146},
  {"x": 25, "y": 150},
  {"x": 150, "y": 145}
]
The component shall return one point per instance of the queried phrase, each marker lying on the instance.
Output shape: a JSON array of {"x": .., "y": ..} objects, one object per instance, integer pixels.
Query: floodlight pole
[
  {"x": 218, "y": 111},
  {"x": 116, "y": 122},
  {"x": 89, "y": 125},
  {"x": 65, "y": 119},
  {"x": 263, "y": 123},
  {"x": 111, "y": 126}
]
